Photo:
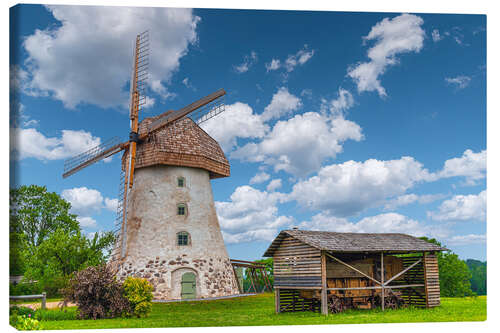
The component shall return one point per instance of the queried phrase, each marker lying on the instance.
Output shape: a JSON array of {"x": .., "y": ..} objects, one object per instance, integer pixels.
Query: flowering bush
[
  {"x": 139, "y": 293},
  {"x": 24, "y": 323}
]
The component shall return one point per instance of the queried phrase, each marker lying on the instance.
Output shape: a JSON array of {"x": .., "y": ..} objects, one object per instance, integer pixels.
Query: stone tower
[{"x": 173, "y": 236}]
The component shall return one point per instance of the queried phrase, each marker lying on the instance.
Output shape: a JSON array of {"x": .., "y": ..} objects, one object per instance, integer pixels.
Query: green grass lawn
[{"x": 259, "y": 310}]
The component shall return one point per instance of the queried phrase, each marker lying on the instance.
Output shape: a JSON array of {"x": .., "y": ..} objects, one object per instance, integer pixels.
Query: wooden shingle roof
[
  {"x": 182, "y": 143},
  {"x": 355, "y": 242}
]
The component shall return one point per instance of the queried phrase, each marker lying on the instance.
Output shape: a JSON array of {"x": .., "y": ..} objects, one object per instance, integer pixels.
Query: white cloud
[
  {"x": 87, "y": 222},
  {"x": 260, "y": 178},
  {"x": 250, "y": 215},
  {"x": 402, "y": 34},
  {"x": 436, "y": 37},
  {"x": 292, "y": 61},
  {"x": 238, "y": 121},
  {"x": 273, "y": 65},
  {"x": 467, "y": 239},
  {"x": 274, "y": 185},
  {"x": 460, "y": 82},
  {"x": 407, "y": 199},
  {"x": 338, "y": 106},
  {"x": 282, "y": 103},
  {"x": 299, "y": 145},
  {"x": 188, "y": 84},
  {"x": 87, "y": 58},
  {"x": 248, "y": 61},
  {"x": 462, "y": 208},
  {"x": 349, "y": 188},
  {"x": 29, "y": 142},
  {"x": 387, "y": 222},
  {"x": 84, "y": 201},
  {"x": 470, "y": 165},
  {"x": 111, "y": 204}
]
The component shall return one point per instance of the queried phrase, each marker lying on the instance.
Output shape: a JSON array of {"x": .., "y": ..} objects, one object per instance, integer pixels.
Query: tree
[
  {"x": 454, "y": 275},
  {"x": 478, "y": 279},
  {"x": 64, "y": 252},
  {"x": 39, "y": 213},
  {"x": 17, "y": 244}
]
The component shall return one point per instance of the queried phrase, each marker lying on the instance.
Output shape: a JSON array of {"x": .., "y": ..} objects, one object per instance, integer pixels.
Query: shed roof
[
  {"x": 355, "y": 242},
  {"x": 182, "y": 143}
]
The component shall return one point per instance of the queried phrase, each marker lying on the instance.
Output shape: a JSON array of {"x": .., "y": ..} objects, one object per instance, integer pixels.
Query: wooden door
[{"x": 188, "y": 284}]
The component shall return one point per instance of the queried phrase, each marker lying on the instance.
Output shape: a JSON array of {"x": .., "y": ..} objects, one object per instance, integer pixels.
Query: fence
[{"x": 43, "y": 296}]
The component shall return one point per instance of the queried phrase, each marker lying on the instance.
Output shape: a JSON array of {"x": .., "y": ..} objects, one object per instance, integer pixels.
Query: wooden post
[
  {"x": 277, "y": 299},
  {"x": 425, "y": 280},
  {"x": 44, "y": 300},
  {"x": 382, "y": 271},
  {"x": 237, "y": 280},
  {"x": 324, "y": 301}
]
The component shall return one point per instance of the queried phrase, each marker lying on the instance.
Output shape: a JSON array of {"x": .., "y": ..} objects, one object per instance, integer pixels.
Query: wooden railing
[{"x": 43, "y": 296}]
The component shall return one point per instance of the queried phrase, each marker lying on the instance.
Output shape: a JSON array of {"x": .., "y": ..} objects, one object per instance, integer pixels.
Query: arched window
[
  {"x": 181, "y": 182},
  {"x": 183, "y": 238},
  {"x": 181, "y": 209}
]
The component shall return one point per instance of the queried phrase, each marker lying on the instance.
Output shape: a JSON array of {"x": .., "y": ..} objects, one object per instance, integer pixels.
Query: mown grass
[{"x": 259, "y": 310}]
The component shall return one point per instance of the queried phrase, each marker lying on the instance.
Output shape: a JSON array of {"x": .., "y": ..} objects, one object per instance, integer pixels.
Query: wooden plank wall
[
  {"x": 432, "y": 280},
  {"x": 416, "y": 275},
  {"x": 296, "y": 264},
  {"x": 291, "y": 301}
]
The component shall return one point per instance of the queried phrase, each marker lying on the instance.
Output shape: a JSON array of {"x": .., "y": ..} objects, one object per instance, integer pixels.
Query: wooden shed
[{"x": 332, "y": 271}]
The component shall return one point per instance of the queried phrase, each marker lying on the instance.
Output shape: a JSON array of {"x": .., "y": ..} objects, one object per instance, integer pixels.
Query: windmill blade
[
  {"x": 170, "y": 117},
  {"x": 91, "y": 156}
]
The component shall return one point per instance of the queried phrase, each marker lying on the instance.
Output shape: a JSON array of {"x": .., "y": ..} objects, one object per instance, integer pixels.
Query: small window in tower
[
  {"x": 181, "y": 182},
  {"x": 181, "y": 209},
  {"x": 182, "y": 238}
]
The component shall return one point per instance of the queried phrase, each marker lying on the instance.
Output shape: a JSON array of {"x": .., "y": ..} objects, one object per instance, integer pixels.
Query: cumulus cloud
[
  {"x": 470, "y": 165},
  {"x": 250, "y": 215},
  {"x": 87, "y": 57},
  {"x": 28, "y": 142},
  {"x": 248, "y": 61},
  {"x": 292, "y": 61},
  {"x": 260, "y": 178},
  {"x": 84, "y": 201},
  {"x": 373, "y": 224},
  {"x": 299, "y": 145},
  {"x": 338, "y": 106},
  {"x": 459, "y": 82},
  {"x": 111, "y": 204},
  {"x": 282, "y": 103},
  {"x": 238, "y": 121},
  {"x": 462, "y": 208},
  {"x": 349, "y": 188},
  {"x": 87, "y": 222},
  {"x": 274, "y": 185},
  {"x": 401, "y": 34}
]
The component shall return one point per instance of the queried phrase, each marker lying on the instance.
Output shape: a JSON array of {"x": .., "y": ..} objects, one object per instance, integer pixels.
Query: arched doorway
[{"x": 188, "y": 286}]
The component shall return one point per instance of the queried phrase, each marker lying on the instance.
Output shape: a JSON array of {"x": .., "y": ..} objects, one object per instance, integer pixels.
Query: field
[{"x": 259, "y": 310}]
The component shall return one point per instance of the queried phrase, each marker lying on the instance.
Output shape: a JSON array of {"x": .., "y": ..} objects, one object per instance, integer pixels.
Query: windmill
[{"x": 167, "y": 229}]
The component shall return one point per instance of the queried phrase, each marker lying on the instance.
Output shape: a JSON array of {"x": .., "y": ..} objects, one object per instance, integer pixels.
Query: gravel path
[{"x": 50, "y": 305}]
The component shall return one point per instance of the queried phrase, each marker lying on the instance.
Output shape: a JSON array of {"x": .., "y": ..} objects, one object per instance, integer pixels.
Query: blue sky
[{"x": 355, "y": 122}]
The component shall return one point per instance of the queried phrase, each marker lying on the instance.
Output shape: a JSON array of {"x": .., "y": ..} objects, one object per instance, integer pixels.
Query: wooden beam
[
  {"x": 237, "y": 280},
  {"x": 378, "y": 287},
  {"x": 403, "y": 271},
  {"x": 324, "y": 298},
  {"x": 382, "y": 273},
  {"x": 425, "y": 281},
  {"x": 354, "y": 269},
  {"x": 277, "y": 299}
]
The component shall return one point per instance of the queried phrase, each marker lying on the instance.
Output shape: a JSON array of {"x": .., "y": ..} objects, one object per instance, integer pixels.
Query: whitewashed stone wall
[{"x": 152, "y": 250}]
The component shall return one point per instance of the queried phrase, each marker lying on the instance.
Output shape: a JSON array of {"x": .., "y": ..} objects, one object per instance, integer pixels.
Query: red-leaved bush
[{"x": 96, "y": 293}]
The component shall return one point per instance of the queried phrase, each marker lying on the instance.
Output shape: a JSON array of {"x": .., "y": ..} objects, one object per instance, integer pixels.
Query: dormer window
[
  {"x": 181, "y": 182},
  {"x": 181, "y": 209}
]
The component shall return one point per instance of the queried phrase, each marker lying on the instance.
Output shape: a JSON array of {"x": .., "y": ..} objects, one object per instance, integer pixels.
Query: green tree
[
  {"x": 478, "y": 279},
  {"x": 39, "y": 213},
  {"x": 64, "y": 252},
  {"x": 454, "y": 275},
  {"x": 17, "y": 244}
]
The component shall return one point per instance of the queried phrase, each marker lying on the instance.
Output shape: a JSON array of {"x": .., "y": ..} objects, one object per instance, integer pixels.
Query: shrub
[
  {"x": 24, "y": 289},
  {"x": 24, "y": 323},
  {"x": 96, "y": 293},
  {"x": 21, "y": 311},
  {"x": 139, "y": 293}
]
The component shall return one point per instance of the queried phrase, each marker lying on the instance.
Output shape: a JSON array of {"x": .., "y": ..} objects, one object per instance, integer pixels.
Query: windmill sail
[{"x": 91, "y": 156}]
